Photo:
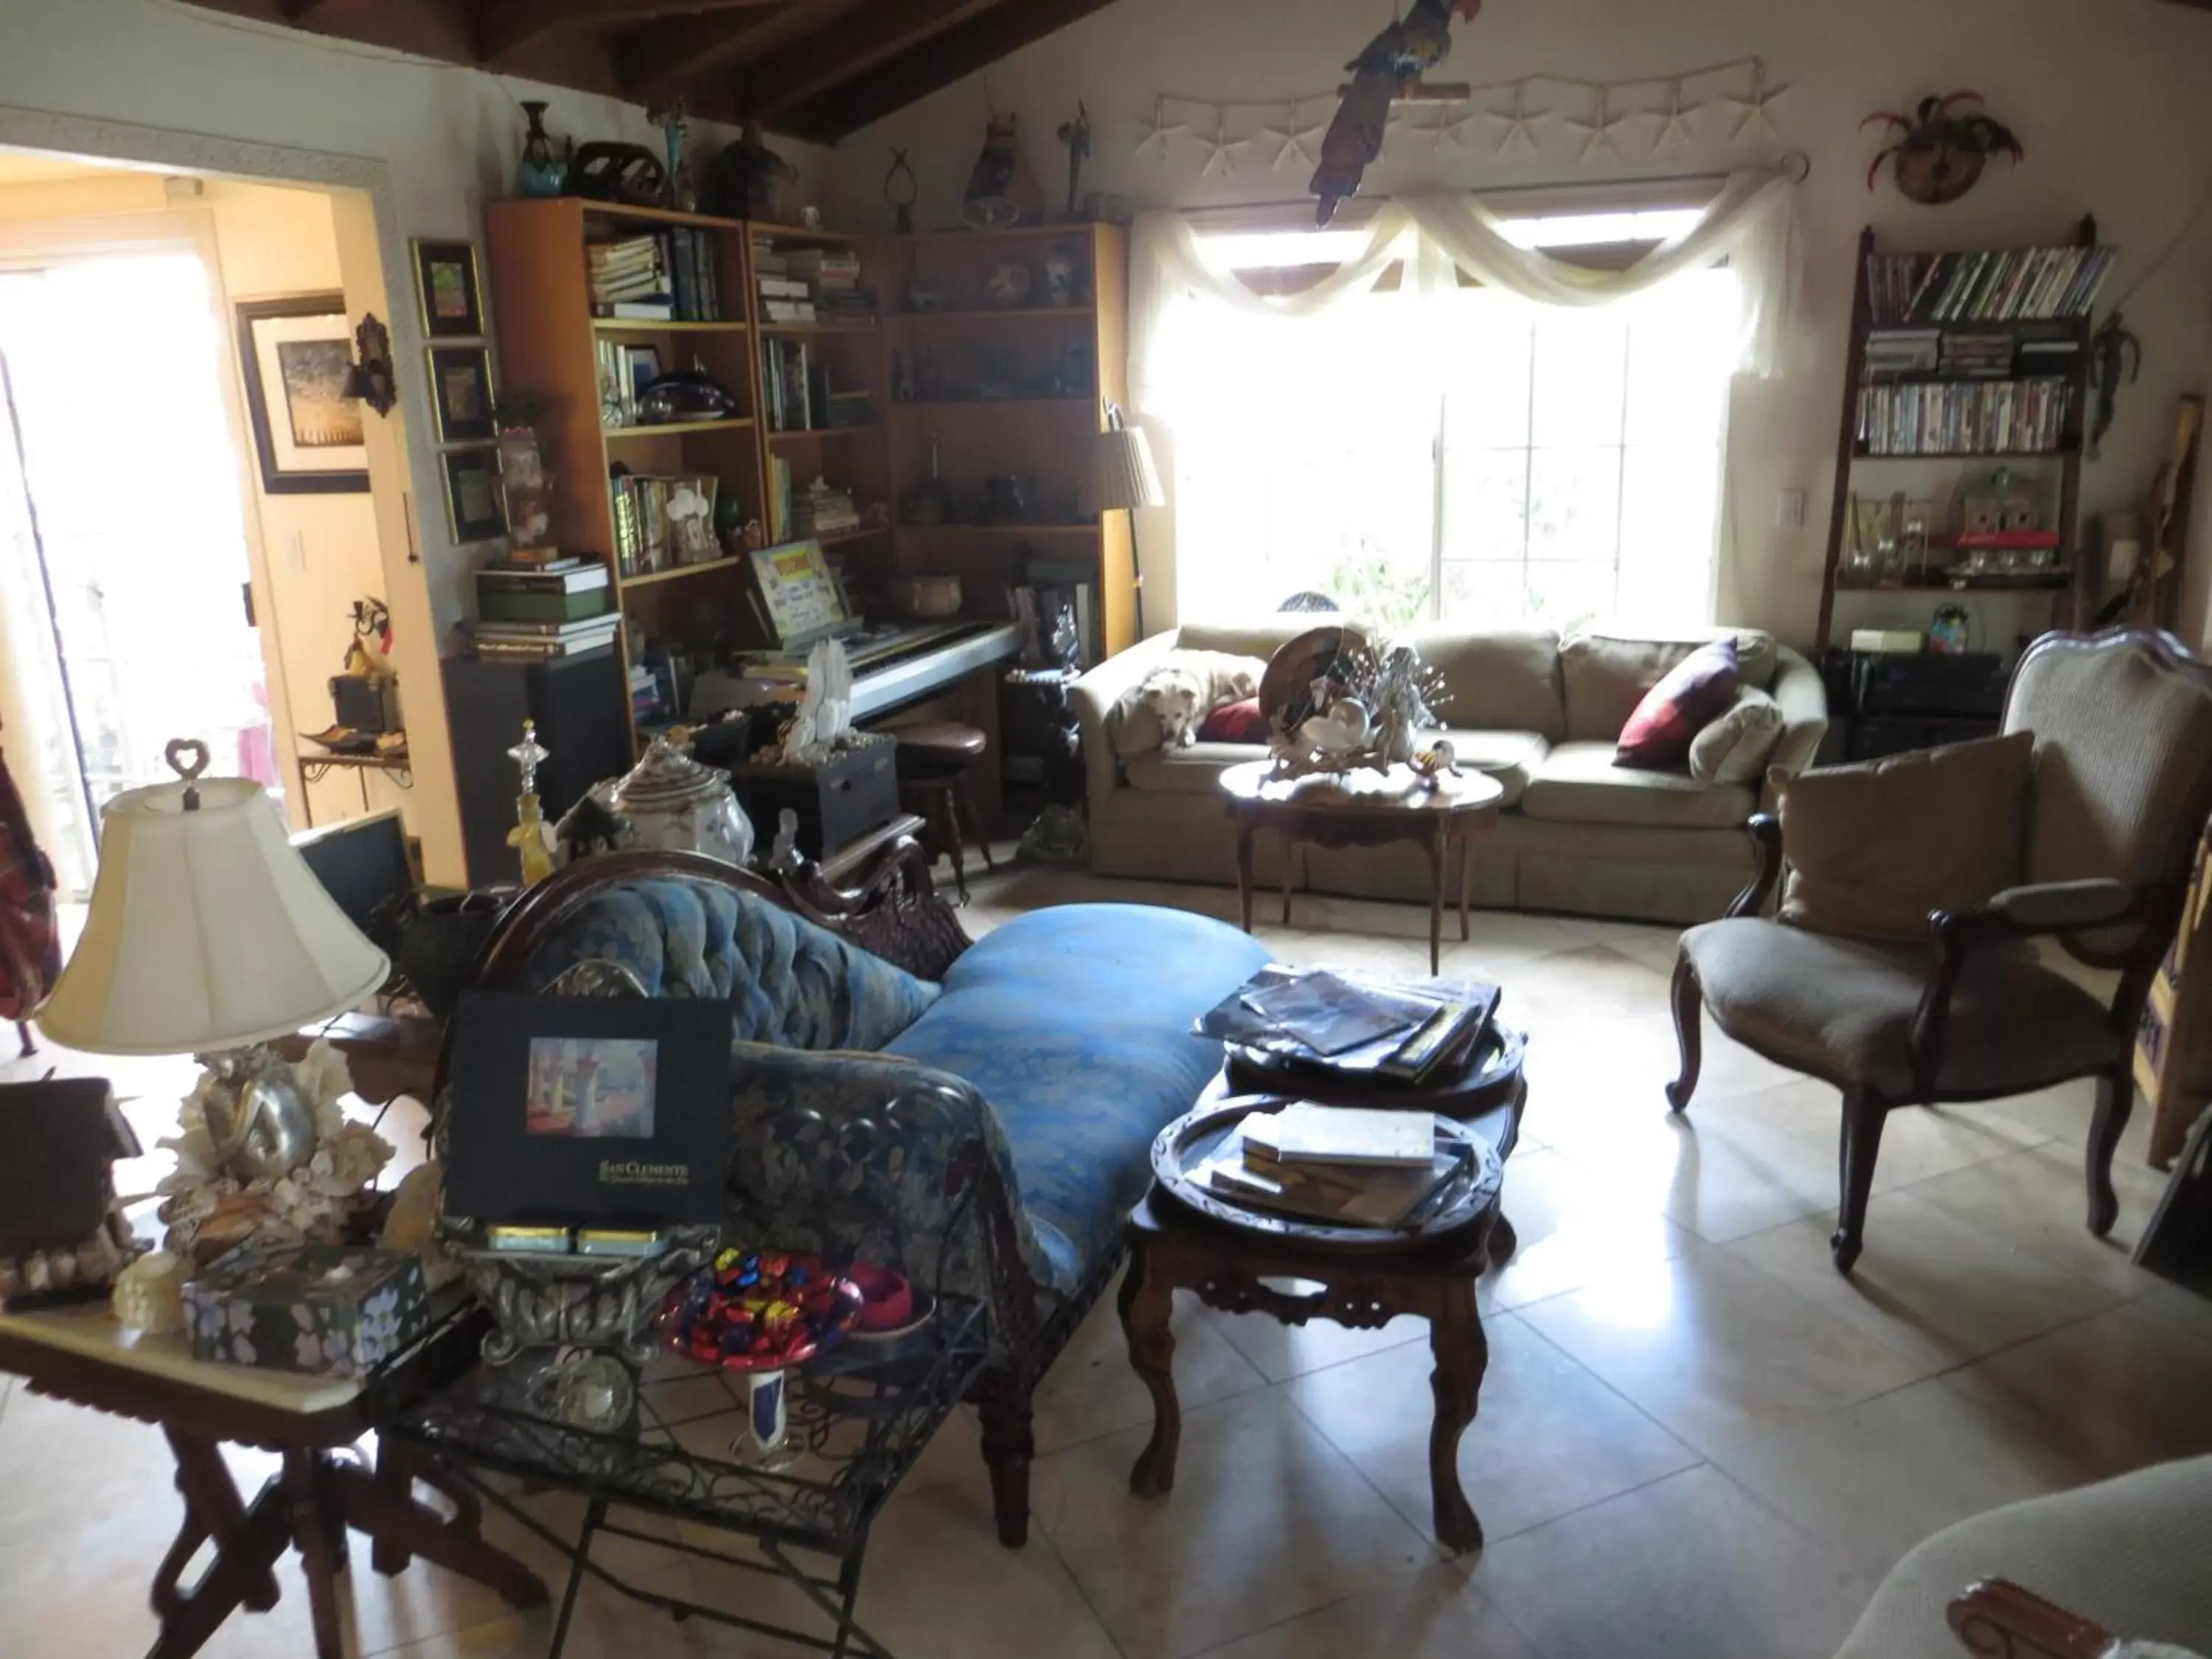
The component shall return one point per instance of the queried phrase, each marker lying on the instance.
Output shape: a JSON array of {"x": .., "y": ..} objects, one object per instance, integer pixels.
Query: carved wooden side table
[
  {"x": 1431, "y": 1273},
  {"x": 82, "y": 1355},
  {"x": 1362, "y": 809}
]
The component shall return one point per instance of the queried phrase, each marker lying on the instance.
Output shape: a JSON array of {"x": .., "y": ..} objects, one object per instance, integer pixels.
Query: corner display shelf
[
  {"x": 2070, "y": 592},
  {"x": 1060, "y": 365}
]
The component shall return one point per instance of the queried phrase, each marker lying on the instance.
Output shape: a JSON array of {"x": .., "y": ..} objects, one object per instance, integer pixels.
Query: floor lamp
[{"x": 1126, "y": 481}]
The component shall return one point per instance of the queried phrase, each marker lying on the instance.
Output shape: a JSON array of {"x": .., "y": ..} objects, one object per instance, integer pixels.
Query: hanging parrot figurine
[{"x": 1401, "y": 54}]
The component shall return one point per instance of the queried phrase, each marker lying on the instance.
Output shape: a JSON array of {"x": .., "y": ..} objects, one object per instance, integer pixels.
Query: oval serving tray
[
  {"x": 1490, "y": 1082},
  {"x": 1468, "y": 1198}
]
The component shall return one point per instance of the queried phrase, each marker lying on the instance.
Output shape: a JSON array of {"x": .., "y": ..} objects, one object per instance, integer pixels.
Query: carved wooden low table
[
  {"x": 1232, "y": 1258},
  {"x": 1362, "y": 809},
  {"x": 81, "y": 1355}
]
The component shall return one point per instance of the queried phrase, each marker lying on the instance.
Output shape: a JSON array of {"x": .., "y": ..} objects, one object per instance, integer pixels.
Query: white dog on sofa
[{"x": 1185, "y": 689}]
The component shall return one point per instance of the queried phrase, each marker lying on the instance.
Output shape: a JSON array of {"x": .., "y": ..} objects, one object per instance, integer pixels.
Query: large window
[{"x": 1468, "y": 456}]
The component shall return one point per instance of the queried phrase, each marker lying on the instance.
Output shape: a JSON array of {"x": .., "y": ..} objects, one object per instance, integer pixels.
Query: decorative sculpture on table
[
  {"x": 541, "y": 173},
  {"x": 1390, "y": 67},
  {"x": 671, "y": 118},
  {"x": 901, "y": 188},
  {"x": 672, "y": 804},
  {"x": 529, "y": 837},
  {"x": 1076, "y": 135},
  {"x": 1333, "y": 704}
]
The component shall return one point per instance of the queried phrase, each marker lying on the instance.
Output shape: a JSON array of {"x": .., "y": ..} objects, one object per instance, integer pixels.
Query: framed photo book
[
  {"x": 588, "y": 1111},
  {"x": 475, "y": 511},
  {"x": 295, "y": 354},
  {"x": 461, "y": 394}
]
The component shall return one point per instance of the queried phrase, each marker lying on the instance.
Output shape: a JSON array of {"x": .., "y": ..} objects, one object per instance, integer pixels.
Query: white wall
[
  {"x": 2110, "y": 100},
  {"x": 449, "y": 135}
]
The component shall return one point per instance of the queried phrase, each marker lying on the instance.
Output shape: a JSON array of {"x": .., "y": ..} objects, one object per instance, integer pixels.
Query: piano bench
[{"x": 932, "y": 767}]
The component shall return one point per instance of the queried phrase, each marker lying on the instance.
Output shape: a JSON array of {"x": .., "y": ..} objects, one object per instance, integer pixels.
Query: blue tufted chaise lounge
[{"x": 1042, "y": 1061}]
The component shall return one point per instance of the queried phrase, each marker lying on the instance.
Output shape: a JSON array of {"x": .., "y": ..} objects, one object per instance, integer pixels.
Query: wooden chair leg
[
  {"x": 1689, "y": 1032},
  {"x": 27, "y": 1048},
  {"x": 2115, "y": 1103},
  {"x": 1002, "y": 1410},
  {"x": 946, "y": 817},
  {"x": 1860, "y": 1143},
  {"x": 966, "y": 802}
]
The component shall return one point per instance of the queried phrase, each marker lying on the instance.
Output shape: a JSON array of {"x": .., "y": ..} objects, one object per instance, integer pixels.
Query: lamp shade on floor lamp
[{"x": 1127, "y": 480}]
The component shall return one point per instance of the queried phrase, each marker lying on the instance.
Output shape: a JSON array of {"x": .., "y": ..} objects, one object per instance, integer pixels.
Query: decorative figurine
[
  {"x": 370, "y": 380},
  {"x": 675, "y": 804},
  {"x": 1076, "y": 135},
  {"x": 541, "y": 173},
  {"x": 670, "y": 118},
  {"x": 1941, "y": 156},
  {"x": 2114, "y": 354},
  {"x": 1060, "y": 280},
  {"x": 901, "y": 188},
  {"x": 528, "y": 838},
  {"x": 1000, "y": 193},
  {"x": 1391, "y": 65},
  {"x": 526, "y": 488}
]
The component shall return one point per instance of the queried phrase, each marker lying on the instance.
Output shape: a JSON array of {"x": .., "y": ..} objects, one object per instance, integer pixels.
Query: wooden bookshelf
[
  {"x": 549, "y": 338},
  {"x": 945, "y": 354},
  {"x": 2071, "y": 592}
]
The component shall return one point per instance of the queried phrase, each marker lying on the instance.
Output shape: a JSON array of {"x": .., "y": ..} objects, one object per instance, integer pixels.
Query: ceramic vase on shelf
[{"x": 675, "y": 804}]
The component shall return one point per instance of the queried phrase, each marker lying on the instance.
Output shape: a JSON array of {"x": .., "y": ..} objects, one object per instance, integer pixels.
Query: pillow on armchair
[{"x": 1872, "y": 848}]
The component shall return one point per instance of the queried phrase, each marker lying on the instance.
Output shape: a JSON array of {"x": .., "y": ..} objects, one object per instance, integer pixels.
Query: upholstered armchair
[{"x": 2118, "y": 782}]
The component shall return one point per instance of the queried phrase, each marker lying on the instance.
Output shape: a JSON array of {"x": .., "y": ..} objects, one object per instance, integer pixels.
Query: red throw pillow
[
  {"x": 1233, "y": 722},
  {"x": 1672, "y": 712}
]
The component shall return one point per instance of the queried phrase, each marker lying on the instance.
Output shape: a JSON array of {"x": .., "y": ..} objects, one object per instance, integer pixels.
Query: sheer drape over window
[{"x": 1543, "y": 446}]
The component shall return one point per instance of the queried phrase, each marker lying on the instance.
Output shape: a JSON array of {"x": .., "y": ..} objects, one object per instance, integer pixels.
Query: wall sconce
[{"x": 370, "y": 379}]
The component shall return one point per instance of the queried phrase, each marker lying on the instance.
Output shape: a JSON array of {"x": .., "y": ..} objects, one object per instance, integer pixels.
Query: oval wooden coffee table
[{"x": 1362, "y": 809}]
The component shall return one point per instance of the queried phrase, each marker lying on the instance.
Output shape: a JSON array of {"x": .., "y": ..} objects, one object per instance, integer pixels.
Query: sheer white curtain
[{"x": 1340, "y": 438}]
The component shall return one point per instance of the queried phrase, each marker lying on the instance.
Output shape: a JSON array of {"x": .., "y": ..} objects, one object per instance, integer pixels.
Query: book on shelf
[
  {"x": 673, "y": 275},
  {"x": 569, "y": 575},
  {"x": 647, "y": 538},
  {"x": 821, "y": 510},
  {"x": 788, "y": 311},
  {"x": 2037, "y": 284},
  {"x": 2029, "y": 416},
  {"x": 600, "y": 621},
  {"x": 796, "y": 386},
  {"x": 512, "y": 604},
  {"x": 1306, "y": 1132},
  {"x": 782, "y": 288}
]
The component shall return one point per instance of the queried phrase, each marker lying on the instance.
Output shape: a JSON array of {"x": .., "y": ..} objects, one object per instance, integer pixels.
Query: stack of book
[
  {"x": 1997, "y": 286},
  {"x": 820, "y": 510},
  {"x": 1999, "y": 416},
  {"x": 1978, "y": 356},
  {"x": 646, "y": 540},
  {"x": 795, "y": 388},
  {"x": 832, "y": 276},
  {"x": 1351, "y": 1166},
  {"x": 1903, "y": 352},
  {"x": 664, "y": 277},
  {"x": 785, "y": 300},
  {"x": 531, "y": 612},
  {"x": 1354, "y": 1026}
]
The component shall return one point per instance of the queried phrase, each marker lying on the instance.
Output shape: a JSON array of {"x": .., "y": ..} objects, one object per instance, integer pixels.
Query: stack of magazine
[
  {"x": 1351, "y": 1026},
  {"x": 1349, "y": 1166}
]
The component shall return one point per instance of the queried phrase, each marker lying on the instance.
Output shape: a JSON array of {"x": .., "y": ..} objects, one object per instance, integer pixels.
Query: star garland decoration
[
  {"x": 1158, "y": 130},
  {"x": 1519, "y": 122},
  {"x": 1599, "y": 129},
  {"x": 1754, "y": 106},
  {"x": 1221, "y": 160},
  {"x": 1291, "y": 141},
  {"x": 1675, "y": 122}
]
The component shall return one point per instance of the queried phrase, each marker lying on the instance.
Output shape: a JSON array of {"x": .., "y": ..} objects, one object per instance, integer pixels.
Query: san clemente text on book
[{"x": 631, "y": 1173}]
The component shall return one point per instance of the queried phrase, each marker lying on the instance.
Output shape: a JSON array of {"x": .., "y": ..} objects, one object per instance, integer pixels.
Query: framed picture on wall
[
  {"x": 460, "y": 393},
  {"x": 447, "y": 289},
  {"x": 474, "y": 511},
  {"x": 295, "y": 354}
]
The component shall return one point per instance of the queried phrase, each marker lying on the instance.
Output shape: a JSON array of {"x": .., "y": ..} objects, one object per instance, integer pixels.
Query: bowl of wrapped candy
[{"x": 760, "y": 1310}]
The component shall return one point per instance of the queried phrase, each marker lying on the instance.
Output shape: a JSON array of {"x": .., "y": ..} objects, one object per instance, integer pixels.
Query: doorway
[{"x": 126, "y": 530}]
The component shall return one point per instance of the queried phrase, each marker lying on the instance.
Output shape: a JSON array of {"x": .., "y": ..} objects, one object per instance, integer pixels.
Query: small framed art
[
  {"x": 448, "y": 290},
  {"x": 295, "y": 354},
  {"x": 474, "y": 512},
  {"x": 588, "y": 1111},
  {"x": 460, "y": 393}
]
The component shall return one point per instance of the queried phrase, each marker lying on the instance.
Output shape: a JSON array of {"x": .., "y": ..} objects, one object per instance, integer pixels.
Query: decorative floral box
[{"x": 335, "y": 1309}]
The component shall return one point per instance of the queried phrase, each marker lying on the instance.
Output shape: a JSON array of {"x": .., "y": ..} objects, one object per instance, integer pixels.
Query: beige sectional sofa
[{"x": 1538, "y": 712}]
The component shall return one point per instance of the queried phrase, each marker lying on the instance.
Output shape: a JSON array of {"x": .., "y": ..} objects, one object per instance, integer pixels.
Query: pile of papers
[{"x": 1352, "y": 1025}]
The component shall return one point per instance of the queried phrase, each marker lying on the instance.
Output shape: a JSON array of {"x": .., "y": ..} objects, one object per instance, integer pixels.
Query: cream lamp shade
[
  {"x": 1127, "y": 477},
  {"x": 207, "y": 931}
]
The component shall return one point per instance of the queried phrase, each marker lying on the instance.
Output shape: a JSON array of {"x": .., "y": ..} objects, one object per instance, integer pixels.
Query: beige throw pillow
[
  {"x": 1734, "y": 744},
  {"x": 1872, "y": 848}
]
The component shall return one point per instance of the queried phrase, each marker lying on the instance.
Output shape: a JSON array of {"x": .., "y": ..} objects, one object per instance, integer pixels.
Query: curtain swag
[{"x": 1751, "y": 224}]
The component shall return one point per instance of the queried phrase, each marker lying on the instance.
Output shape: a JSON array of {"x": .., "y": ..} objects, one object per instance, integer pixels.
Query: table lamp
[
  {"x": 208, "y": 934},
  {"x": 1128, "y": 480}
]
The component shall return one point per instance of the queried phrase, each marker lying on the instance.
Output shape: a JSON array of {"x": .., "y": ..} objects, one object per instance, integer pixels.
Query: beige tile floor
[{"x": 1696, "y": 1442}]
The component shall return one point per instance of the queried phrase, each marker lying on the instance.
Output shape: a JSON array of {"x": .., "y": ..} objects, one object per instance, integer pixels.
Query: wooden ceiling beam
[
  {"x": 860, "y": 101},
  {"x": 304, "y": 12},
  {"x": 766, "y": 89},
  {"x": 652, "y": 61},
  {"x": 507, "y": 27}
]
